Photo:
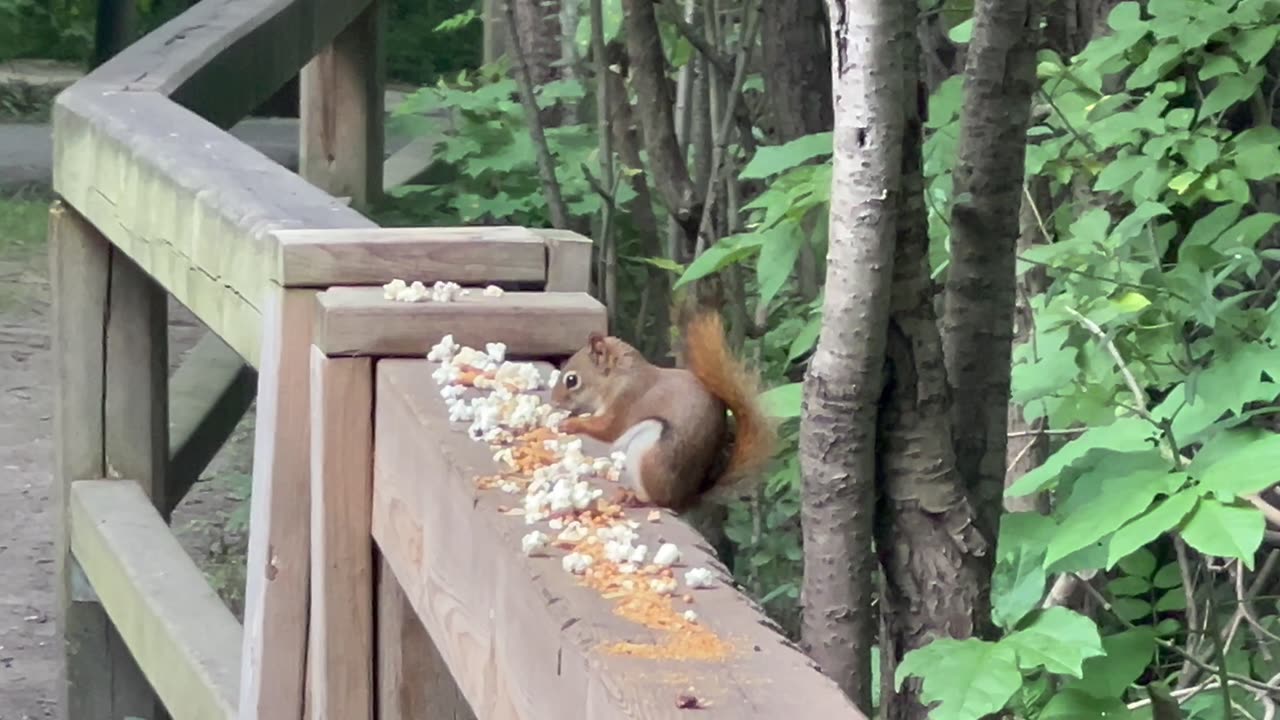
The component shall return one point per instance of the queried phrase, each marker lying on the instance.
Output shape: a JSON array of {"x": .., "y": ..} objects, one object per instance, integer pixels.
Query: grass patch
[{"x": 24, "y": 224}]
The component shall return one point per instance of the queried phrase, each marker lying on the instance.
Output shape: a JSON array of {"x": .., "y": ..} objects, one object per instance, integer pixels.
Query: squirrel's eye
[{"x": 570, "y": 380}]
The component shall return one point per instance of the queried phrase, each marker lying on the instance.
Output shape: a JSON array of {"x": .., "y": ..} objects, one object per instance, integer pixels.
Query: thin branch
[
  {"x": 546, "y": 164},
  {"x": 696, "y": 39},
  {"x": 1139, "y": 396}
]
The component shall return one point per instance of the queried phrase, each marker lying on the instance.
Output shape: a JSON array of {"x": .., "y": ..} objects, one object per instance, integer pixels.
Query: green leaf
[
  {"x": 1230, "y": 90},
  {"x": 1248, "y": 468},
  {"x": 715, "y": 258},
  {"x": 1127, "y": 656},
  {"x": 776, "y": 260},
  {"x": 770, "y": 160},
  {"x": 1172, "y": 601},
  {"x": 1183, "y": 182},
  {"x": 806, "y": 338},
  {"x": 1017, "y": 585},
  {"x": 1124, "y": 434},
  {"x": 1128, "y": 586},
  {"x": 1168, "y": 576},
  {"x": 1227, "y": 531},
  {"x": 1130, "y": 609},
  {"x": 1130, "y": 485},
  {"x": 1139, "y": 563},
  {"x": 1131, "y": 302},
  {"x": 1158, "y": 61},
  {"x": 1253, "y": 44},
  {"x": 1120, "y": 171},
  {"x": 1078, "y": 705},
  {"x": 1248, "y": 231},
  {"x": 1148, "y": 526},
  {"x": 1059, "y": 640},
  {"x": 1126, "y": 16},
  {"x": 962, "y": 33},
  {"x": 1211, "y": 226},
  {"x": 968, "y": 678},
  {"x": 783, "y": 401},
  {"x": 1218, "y": 65}
]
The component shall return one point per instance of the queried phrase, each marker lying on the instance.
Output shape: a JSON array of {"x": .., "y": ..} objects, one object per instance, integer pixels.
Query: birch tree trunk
[{"x": 842, "y": 386}]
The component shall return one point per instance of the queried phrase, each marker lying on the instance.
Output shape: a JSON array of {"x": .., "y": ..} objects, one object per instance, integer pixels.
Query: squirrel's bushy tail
[{"x": 708, "y": 358}]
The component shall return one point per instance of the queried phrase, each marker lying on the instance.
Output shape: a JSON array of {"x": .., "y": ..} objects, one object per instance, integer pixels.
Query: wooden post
[
  {"x": 413, "y": 679},
  {"x": 341, "y": 113},
  {"x": 114, "y": 28},
  {"x": 101, "y": 303},
  {"x": 278, "y": 562},
  {"x": 340, "y": 647}
]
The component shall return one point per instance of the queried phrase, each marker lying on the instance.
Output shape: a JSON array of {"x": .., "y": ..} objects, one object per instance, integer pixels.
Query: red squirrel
[{"x": 669, "y": 422}]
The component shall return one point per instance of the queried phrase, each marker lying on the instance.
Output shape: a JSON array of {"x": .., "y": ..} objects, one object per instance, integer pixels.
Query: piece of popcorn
[
  {"x": 510, "y": 487},
  {"x": 533, "y": 542},
  {"x": 699, "y": 578},
  {"x": 553, "y": 378},
  {"x": 391, "y": 290},
  {"x": 496, "y": 351},
  {"x": 573, "y": 532},
  {"x": 690, "y": 616},
  {"x": 638, "y": 555},
  {"x": 556, "y": 523},
  {"x": 416, "y": 292},
  {"x": 445, "y": 291},
  {"x": 617, "y": 552},
  {"x": 663, "y": 585},
  {"x": 667, "y": 554},
  {"x": 576, "y": 563},
  {"x": 492, "y": 291},
  {"x": 627, "y": 568}
]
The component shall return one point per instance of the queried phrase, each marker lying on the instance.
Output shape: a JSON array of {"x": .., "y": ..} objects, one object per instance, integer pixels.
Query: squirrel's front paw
[{"x": 571, "y": 426}]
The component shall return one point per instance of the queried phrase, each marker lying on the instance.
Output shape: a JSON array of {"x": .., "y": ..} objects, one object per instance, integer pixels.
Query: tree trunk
[
  {"x": 797, "y": 60},
  {"x": 538, "y": 27},
  {"x": 843, "y": 384},
  {"x": 648, "y": 70},
  {"x": 978, "y": 327},
  {"x": 936, "y": 562}
]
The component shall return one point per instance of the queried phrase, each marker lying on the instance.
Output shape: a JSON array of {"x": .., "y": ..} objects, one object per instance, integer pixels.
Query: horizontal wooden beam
[
  {"x": 373, "y": 256},
  {"x": 360, "y": 321},
  {"x": 523, "y": 637},
  {"x": 208, "y": 395},
  {"x": 222, "y": 58},
  {"x": 191, "y": 205},
  {"x": 178, "y": 630}
]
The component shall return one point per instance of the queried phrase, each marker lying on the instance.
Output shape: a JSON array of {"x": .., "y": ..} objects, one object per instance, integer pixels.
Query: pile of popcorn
[
  {"x": 441, "y": 291},
  {"x": 553, "y": 473}
]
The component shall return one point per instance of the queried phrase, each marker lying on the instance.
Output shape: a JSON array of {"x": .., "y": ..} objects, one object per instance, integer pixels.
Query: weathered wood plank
[
  {"x": 181, "y": 633},
  {"x": 278, "y": 557},
  {"x": 100, "y": 681},
  {"x": 360, "y": 321},
  {"x": 568, "y": 260},
  {"x": 465, "y": 255},
  {"x": 522, "y": 637},
  {"x": 341, "y": 112},
  {"x": 414, "y": 681},
  {"x": 208, "y": 395},
  {"x": 190, "y": 204},
  {"x": 340, "y": 648},
  {"x": 221, "y": 59},
  {"x": 137, "y": 380}
]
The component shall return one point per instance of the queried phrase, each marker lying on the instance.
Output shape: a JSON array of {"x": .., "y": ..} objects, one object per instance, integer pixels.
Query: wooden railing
[{"x": 353, "y": 450}]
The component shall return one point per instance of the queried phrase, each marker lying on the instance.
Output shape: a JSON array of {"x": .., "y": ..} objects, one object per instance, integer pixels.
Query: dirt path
[{"x": 29, "y": 654}]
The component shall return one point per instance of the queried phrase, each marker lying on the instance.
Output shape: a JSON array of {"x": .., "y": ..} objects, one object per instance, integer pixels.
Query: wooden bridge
[{"x": 383, "y": 581}]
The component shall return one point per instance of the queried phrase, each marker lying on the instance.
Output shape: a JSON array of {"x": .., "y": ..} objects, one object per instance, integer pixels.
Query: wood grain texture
[
  {"x": 278, "y": 557},
  {"x": 222, "y": 59},
  {"x": 568, "y": 260},
  {"x": 341, "y": 113},
  {"x": 177, "y": 628},
  {"x": 521, "y": 636},
  {"x": 208, "y": 395},
  {"x": 187, "y": 202},
  {"x": 136, "y": 409},
  {"x": 340, "y": 649},
  {"x": 360, "y": 321},
  {"x": 100, "y": 681},
  {"x": 414, "y": 682},
  {"x": 373, "y": 256}
]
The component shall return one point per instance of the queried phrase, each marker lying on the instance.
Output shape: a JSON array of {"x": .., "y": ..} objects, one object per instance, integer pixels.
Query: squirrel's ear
[{"x": 599, "y": 350}]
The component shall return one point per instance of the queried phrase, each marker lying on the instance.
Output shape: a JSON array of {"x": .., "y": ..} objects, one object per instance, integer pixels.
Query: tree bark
[
  {"x": 980, "y": 290},
  {"x": 936, "y": 562},
  {"x": 796, "y": 52},
  {"x": 648, "y": 69},
  {"x": 843, "y": 384},
  {"x": 537, "y": 25}
]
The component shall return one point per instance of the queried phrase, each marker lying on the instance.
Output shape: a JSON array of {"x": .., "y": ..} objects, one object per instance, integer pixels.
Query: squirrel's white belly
[{"x": 634, "y": 443}]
